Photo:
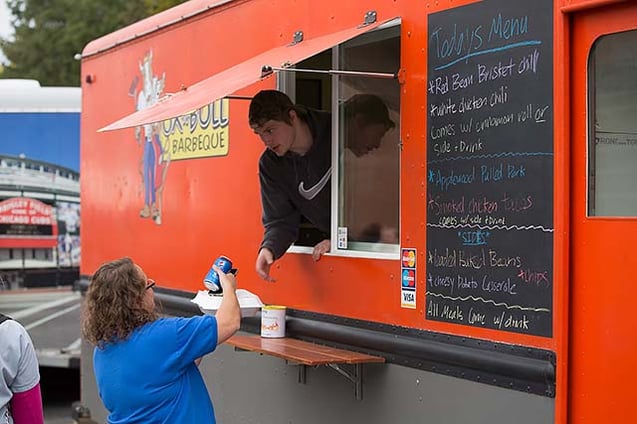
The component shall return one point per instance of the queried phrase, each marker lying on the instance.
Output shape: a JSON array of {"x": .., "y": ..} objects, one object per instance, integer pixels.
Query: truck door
[{"x": 603, "y": 287}]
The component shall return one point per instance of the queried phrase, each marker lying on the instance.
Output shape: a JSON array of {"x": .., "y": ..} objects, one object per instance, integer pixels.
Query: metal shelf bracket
[{"x": 355, "y": 376}]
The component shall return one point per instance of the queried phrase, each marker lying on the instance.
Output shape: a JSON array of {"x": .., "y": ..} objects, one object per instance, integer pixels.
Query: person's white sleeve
[{"x": 22, "y": 358}]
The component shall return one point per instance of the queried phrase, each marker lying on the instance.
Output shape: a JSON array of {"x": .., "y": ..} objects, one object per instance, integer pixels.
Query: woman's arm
[
  {"x": 229, "y": 314},
  {"x": 26, "y": 407}
]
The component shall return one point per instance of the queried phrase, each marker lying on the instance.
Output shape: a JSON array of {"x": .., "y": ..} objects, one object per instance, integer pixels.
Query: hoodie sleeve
[{"x": 280, "y": 218}]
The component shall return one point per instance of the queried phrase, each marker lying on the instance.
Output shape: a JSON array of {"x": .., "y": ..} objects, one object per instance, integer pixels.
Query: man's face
[
  {"x": 363, "y": 138},
  {"x": 276, "y": 135}
]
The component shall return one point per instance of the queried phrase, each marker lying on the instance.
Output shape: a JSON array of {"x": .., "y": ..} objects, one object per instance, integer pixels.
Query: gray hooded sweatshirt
[{"x": 293, "y": 185}]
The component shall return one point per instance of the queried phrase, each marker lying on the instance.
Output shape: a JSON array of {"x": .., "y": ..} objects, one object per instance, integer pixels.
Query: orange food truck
[{"x": 479, "y": 269}]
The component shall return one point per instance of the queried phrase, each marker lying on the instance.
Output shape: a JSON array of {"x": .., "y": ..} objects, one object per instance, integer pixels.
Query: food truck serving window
[
  {"x": 612, "y": 126},
  {"x": 352, "y": 73},
  {"x": 366, "y": 139}
]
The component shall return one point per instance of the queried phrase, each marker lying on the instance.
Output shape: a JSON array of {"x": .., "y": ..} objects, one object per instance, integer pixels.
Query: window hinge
[
  {"x": 296, "y": 38},
  {"x": 370, "y": 18}
]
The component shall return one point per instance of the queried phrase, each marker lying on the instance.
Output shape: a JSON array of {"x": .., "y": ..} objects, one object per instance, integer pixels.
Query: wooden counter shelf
[{"x": 306, "y": 354}]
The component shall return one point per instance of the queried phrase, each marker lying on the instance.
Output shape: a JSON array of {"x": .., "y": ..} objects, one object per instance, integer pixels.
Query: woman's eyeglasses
[{"x": 150, "y": 284}]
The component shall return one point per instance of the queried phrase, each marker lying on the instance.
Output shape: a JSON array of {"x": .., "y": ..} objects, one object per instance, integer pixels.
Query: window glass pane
[
  {"x": 313, "y": 90},
  {"x": 41, "y": 254},
  {"x": 613, "y": 126},
  {"x": 4, "y": 254},
  {"x": 369, "y": 143}
]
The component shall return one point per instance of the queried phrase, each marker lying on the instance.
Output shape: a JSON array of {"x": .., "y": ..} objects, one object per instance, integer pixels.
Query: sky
[
  {"x": 5, "y": 24},
  {"x": 49, "y": 137}
]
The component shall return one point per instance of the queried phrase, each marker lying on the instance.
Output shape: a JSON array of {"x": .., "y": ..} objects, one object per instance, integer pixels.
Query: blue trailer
[{"x": 39, "y": 177}]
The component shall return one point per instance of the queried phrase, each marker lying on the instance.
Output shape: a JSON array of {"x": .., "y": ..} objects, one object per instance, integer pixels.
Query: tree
[
  {"x": 156, "y": 6},
  {"x": 49, "y": 33}
]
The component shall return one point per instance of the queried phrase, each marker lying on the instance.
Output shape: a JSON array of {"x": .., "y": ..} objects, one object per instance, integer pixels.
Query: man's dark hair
[
  {"x": 370, "y": 107},
  {"x": 272, "y": 105}
]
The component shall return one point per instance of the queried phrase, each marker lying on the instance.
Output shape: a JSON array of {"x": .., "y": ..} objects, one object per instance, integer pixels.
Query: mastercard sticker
[{"x": 408, "y": 258}]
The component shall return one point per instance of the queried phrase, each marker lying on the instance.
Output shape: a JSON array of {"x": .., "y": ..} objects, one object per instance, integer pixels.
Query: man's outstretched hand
[
  {"x": 265, "y": 259},
  {"x": 320, "y": 249}
]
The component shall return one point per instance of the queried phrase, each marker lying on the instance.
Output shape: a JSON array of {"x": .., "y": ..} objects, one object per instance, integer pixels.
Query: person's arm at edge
[
  {"x": 26, "y": 407},
  {"x": 265, "y": 259},
  {"x": 229, "y": 314}
]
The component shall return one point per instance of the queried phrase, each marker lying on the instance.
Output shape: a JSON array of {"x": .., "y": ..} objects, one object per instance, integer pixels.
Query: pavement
[{"x": 52, "y": 318}]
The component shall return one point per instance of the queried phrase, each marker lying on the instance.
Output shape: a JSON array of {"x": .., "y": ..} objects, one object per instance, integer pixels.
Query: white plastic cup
[{"x": 273, "y": 321}]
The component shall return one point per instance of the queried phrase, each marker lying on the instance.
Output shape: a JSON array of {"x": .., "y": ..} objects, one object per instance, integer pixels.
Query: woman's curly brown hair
[{"x": 114, "y": 303}]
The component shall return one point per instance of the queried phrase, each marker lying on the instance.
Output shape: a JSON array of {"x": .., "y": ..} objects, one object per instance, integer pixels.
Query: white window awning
[{"x": 237, "y": 77}]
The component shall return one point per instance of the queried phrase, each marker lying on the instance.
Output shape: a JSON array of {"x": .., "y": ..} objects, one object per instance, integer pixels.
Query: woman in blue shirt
[{"x": 146, "y": 366}]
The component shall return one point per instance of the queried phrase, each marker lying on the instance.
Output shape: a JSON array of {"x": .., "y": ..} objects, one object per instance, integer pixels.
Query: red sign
[
  {"x": 23, "y": 210},
  {"x": 22, "y": 219}
]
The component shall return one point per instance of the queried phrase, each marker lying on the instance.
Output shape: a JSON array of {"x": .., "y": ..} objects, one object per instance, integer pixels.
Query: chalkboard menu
[{"x": 490, "y": 166}]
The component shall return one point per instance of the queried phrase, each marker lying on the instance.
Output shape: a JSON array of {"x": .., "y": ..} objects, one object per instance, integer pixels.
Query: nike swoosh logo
[{"x": 311, "y": 192}]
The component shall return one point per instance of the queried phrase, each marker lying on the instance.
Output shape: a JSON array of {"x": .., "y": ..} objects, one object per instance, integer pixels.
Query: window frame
[
  {"x": 286, "y": 82},
  {"x": 592, "y": 171}
]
